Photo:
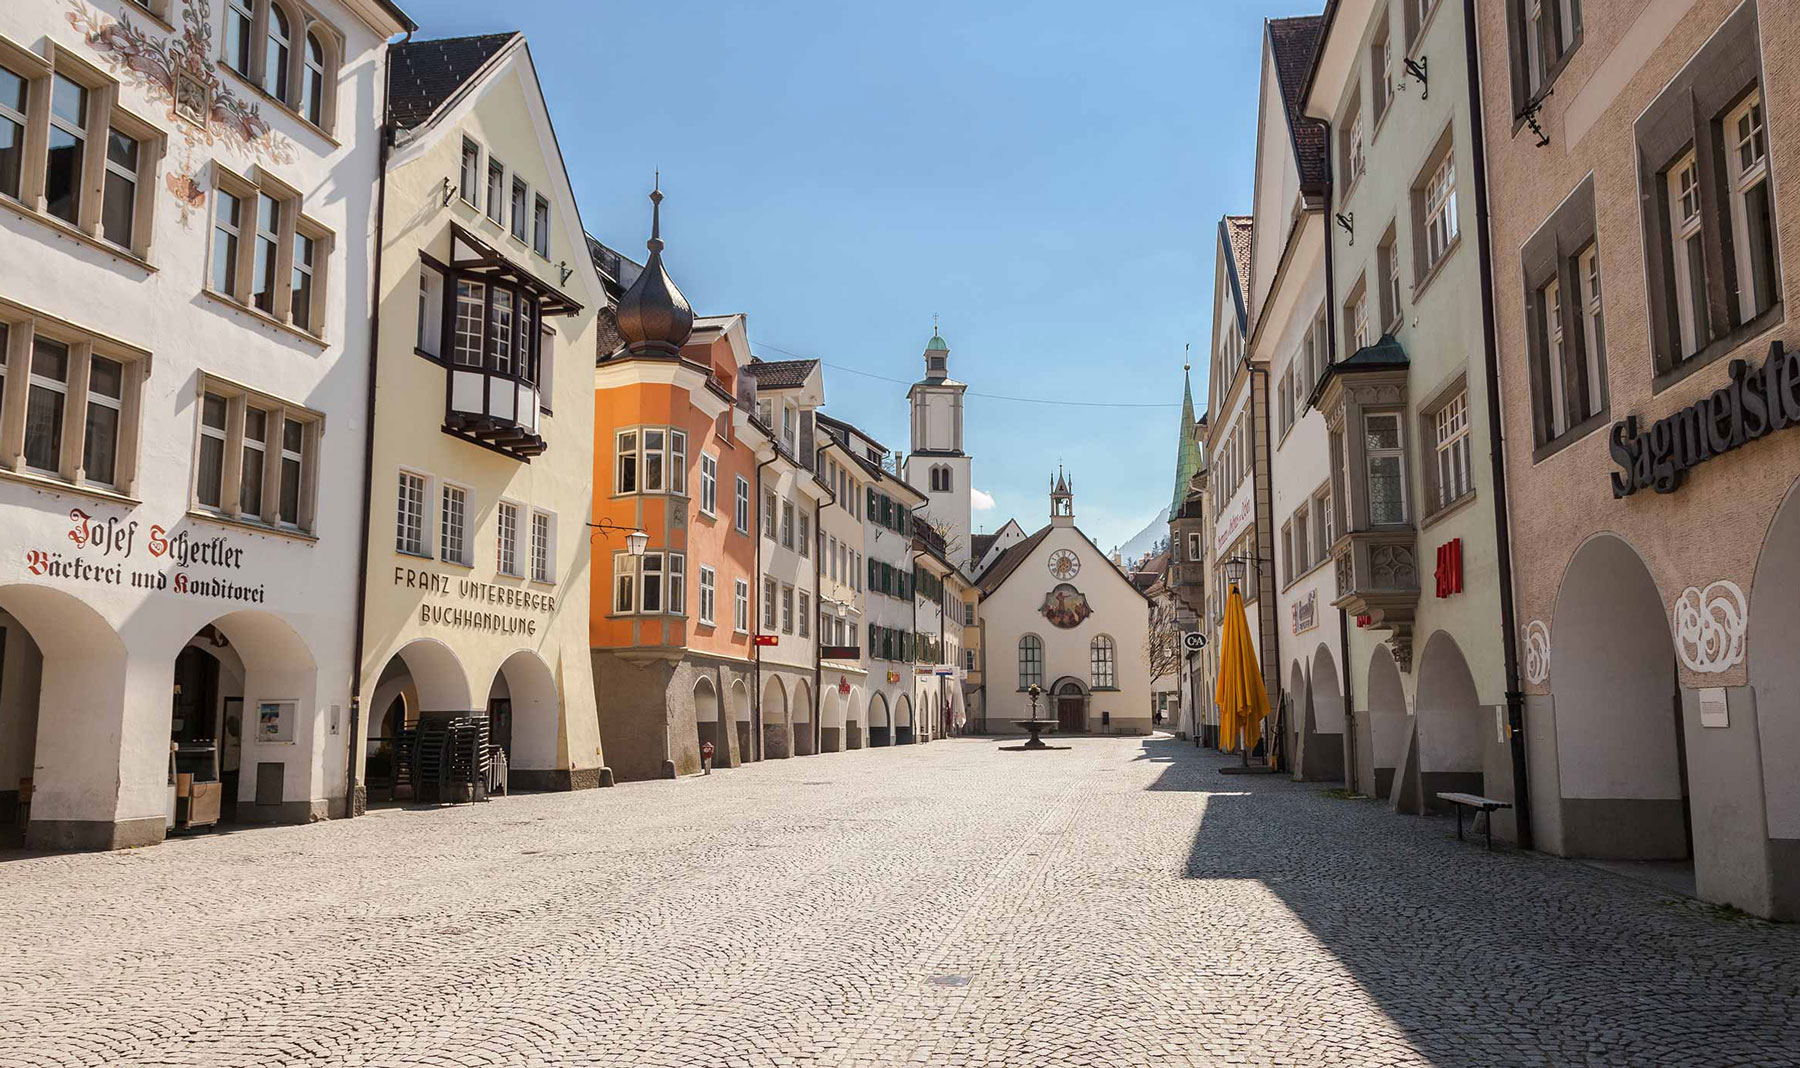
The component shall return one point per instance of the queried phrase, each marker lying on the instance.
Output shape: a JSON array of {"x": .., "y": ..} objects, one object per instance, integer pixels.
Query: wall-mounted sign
[
  {"x": 1449, "y": 568},
  {"x": 1065, "y": 606},
  {"x": 768, "y": 639},
  {"x": 893, "y": 676},
  {"x": 1193, "y": 641},
  {"x": 104, "y": 549},
  {"x": 1306, "y": 612},
  {"x": 843, "y": 685},
  {"x": 437, "y": 588},
  {"x": 275, "y": 721},
  {"x": 1239, "y": 513},
  {"x": 1754, "y": 403}
]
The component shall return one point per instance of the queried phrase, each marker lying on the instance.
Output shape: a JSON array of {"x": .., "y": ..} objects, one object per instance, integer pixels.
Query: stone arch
[
  {"x": 777, "y": 733},
  {"x": 905, "y": 729},
  {"x": 707, "y": 717},
  {"x": 1387, "y": 726},
  {"x": 738, "y": 706},
  {"x": 831, "y": 720},
  {"x": 531, "y": 738},
  {"x": 1319, "y": 757},
  {"x": 1072, "y": 716},
  {"x": 1619, "y": 740},
  {"x": 423, "y": 676},
  {"x": 881, "y": 722},
  {"x": 1774, "y": 671},
  {"x": 64, "y": 726},
  {"x": 437, "y": 674},
  {"x": 853, "y": 719},
  {"x": 802, "y": 719},
  {"x": 1448, "y": 721}
]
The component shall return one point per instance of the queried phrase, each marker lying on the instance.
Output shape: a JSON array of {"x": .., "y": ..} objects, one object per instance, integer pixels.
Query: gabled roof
[
  {"x": 1293, "y": 44},
  {"x": 1237, "y": 235},
  {"x": 979, "y": 544},
  {"x": 1009, "y": 561},
  {"x": 423, "y": 75},
  {"x": 781, "y": 374}
]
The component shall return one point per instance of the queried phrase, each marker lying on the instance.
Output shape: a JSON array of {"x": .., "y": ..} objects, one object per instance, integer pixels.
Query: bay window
[
  {"x": 624, "y": 583},
  {"x": 676, "y": 577},
  {"x": 256, "y": 461},
  {"x": 1383, "y": 450},
  {"x": 650, "y": 460}
]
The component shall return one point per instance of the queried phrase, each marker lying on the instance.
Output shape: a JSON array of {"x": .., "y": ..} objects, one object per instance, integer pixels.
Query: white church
[{"x": 1054, "y": 611}]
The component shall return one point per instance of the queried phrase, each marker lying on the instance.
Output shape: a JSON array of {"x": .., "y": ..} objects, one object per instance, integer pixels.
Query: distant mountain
[{"x": 1145, "y": 540}]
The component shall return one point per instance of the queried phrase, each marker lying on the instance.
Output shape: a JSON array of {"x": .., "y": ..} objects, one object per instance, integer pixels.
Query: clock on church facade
[{"x": 1064, "y": 564}]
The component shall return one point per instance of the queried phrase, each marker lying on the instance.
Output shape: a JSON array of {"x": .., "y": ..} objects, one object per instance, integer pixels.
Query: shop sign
[
  {"x": 1306, "y": 612},
  {"x": 1449, "y": 568},
  {"x": 893, "y": 676},
  {"x": 105, "y": 549},
  {"x": 946, "y": 672},
  {"x": 438, "y": 588},
  {"x": 1753, "y": 404},
  {"x": 844, "y": 685},
  {"x": 1193, "y": 641},
  {"x": 1239, "y": 512},
  {"x": 768, "y": 639}
]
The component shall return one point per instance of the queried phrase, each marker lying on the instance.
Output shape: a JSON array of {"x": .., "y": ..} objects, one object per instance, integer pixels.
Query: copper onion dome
[{"x": 654, "y": 318}]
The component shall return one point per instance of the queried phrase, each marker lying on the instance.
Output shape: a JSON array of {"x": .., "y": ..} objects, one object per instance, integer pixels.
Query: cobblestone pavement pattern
[{"x": 1118, "y": 903}]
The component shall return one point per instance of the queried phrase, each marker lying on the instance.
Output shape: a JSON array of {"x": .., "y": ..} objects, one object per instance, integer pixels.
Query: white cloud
[{"x": 980, "y": 501}]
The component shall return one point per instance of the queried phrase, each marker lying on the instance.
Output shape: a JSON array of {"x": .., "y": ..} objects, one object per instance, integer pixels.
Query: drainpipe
[
  {"x": 1266, "y": 575},
  {"x": 757, "y": 580},
  {"x": 1331, "y": 327},
  {"x": 818, "y": 723},
  {"x": 912, "y": 596},
  {"x": 1509, "y": 630},
  {"x": 385, "y": 141}
]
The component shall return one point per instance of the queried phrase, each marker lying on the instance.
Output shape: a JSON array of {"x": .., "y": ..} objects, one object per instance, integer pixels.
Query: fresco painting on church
[{"x": 1065, "y": 607}]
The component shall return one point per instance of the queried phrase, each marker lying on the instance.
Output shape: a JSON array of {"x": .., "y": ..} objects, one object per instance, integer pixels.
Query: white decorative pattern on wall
[
  {"x": 1537, "y": 652},
  {"x": 1709, "y": 627}
]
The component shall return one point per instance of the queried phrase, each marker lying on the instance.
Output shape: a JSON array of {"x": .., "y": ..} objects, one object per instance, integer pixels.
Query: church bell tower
[{"x": 936, "y": 465}]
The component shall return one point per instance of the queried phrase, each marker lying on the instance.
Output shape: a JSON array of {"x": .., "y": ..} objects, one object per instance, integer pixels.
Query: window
[
  {"x": 677, "y": 580},
  {"x": 1288, "y": 559},
  {"x": 1688, "y": 254},
  {"x": 118, "y": 212},
  {"x": 740, "y": 606},
  {"x": 1440, "y": 211},
  {"x": 741, "y": 508},
  {"x": 968, "y": 614},
  {"x": 210, "y": 467},
  {"x": 1031, "y": 661},
  {"x": 453, "y": 525},
  {"x": 1322, "y": 526},
  {"x": 540, "y": 227},
  {"x": 312, "y": 84},
  {"x": 1382, "y": 448},
  {"x": 1387, "y": 266},
  {"x": 1450, "y": 437},
  {"x": 708, "y": 580},
  {"x": 787, "y": 524},
  {"x": 1565, "y": 322},
  {"x": 256, "y": 280},
  {"x": 1416, "y": 13},
  {"x": 1543, "y": 33},
  {"x": 68, "y": 146},
  {"x": 1353, "y": 161},
  {"x": 709, "y": 484},
  {"x": 1302, "y": 544},
  {"x": 659, "y": 466},
  {"x": 507, "y": 538},
  {"x": 1356, "y": 318},
  {"x": 625, "y": 473},
  {"x": 969, "y": 659},
  {"x": 280, "y": 49},
  {"x": 105, "y": 412},
  {"x": 804, "y": 537},
  {"x": 650, "y": 583},
  {"x": 1100, "y": 652},
  {"x": 770, "y": 514},
  {"x": 235, "y": 50},
  {"x": 803, "y": 612},
  {"x": 521, "y": 197},
  {"x": 1752, "y": 209},
  {"x": 12, "y": 133},
  {"x": 470, "y": 183},
  {"x": 789, "y": 429},
  {"x": 771, "y": 591},
  {"x": 624, "y": 584},
  {"x": 1381, "y": 70},
  {"x": 1593, "y": 327},
  {"x": 409, "y": 535},
  {"x": 1194, "y": 548},
  {"x": 430, "y": 336},
  {"x": 46, "y": 401},
  {"x": 250, "y": 483},
  {"x": 543, "y": 553},
  {"x": 496, "y": 191},
  {"x": 677, "y": 461}
]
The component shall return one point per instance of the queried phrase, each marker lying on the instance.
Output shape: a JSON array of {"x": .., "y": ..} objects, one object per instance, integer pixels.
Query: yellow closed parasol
[{"x": 1243, "y": 702}]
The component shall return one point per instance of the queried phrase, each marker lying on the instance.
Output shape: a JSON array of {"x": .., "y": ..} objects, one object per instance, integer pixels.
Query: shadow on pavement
[{"x": 1488, "y": 959}]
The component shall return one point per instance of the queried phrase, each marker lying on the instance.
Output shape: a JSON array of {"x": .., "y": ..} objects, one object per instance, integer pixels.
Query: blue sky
[{"x": 1047, "y": 176}]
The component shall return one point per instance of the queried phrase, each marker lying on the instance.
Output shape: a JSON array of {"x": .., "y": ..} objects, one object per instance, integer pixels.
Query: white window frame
[
  {"x": 709, "y": 579},
  {"x": 625, "y": 597},
  {"x": 740, "y": 606},
  {"x": 1747, "y": 166},
  {"x": 771, "y": 593},
  {"x": 410, "y": 538},
  {"x": 741, "y": 514},
  {"x": 709, "y": 484},
  {"x": 494, "y": 181},
  {"x": 1441, "y": 226},
  {"x": 543, "y": 546},
  {"x": 787, "y": 609},
  {"x": 1550, "y": 303},
  {"x": 1452, "y": 446},
  {"x": 675, "y": 583},
  {"x": 803, "y": 613},
  {"x": 506, "y": 539},
  {"x": 1593, "y": 323},
  {"x": 1685, "y": 224},
  {"x": 1398, "y": 453},
  {"x": 1103, "y": 663},
  {"x": 453, "y": 524}
]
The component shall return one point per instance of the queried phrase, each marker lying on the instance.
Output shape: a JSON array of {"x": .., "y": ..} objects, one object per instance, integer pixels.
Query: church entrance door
[{"x": 1071, "y": 708}]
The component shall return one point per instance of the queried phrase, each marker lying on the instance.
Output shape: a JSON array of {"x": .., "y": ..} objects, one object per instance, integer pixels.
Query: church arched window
[
  {"x": 1104, "y": 673},
  {"x": 1031, "y": 661}
]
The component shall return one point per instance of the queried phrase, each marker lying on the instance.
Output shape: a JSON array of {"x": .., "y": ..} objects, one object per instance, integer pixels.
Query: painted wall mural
[
  {"x": 1710, "y": 625},
  {"x": 181, "y": 73},
  {"x": 1537, "y": 652},
  {"x": 1065, "y": 607}
]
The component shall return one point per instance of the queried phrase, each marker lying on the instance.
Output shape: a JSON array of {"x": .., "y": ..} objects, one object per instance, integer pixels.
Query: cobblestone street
[{"x": 949, "y": 904}]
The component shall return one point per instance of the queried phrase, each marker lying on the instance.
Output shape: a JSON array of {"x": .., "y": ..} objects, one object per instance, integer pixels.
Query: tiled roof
[
  {"x": 1009, "y": 562},
  {"x": 1237, "y": 233},
  {"x": 424, "y": 74},
  {"x": 781, "y": 374},
  {"x": 979, "y": 544},
  {"x": 1293, "y": 43}
]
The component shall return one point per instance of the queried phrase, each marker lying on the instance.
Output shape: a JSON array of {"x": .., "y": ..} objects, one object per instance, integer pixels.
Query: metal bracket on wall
[
  {"x": 1530, "y": 115},
  {"x": 449, "y": 193},
  {"x": 1347, "y": 220},
  {"x": 1417, "y": 68}
]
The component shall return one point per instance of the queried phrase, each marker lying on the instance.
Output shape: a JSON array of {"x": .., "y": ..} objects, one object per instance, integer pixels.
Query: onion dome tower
[{"x": 654, "y": 318}]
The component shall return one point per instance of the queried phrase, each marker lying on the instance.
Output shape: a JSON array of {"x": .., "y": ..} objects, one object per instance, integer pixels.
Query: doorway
[{"x": 1071, "y": 708}]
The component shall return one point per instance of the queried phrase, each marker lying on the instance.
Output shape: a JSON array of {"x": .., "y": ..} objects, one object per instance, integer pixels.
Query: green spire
[{"x": 1187, "y": 450}]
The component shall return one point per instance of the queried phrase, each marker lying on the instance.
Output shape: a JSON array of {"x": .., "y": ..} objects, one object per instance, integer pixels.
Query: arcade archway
[
  {"x": 880, "y": 724},
  {"x": 1387, "y": 726},
  {"x": 802, "y": 720},
  {"x": 1449, "y": 720}
]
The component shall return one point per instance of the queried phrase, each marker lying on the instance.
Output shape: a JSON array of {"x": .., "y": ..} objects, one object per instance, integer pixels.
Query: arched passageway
[
  {"x": 1449, "y": 719},
  {"x": 1386, "y": 727},
  {"x": 1774, "y": 671},
  {"x": 831, "y": 720},
  {"x": 1322, "y": 746},
  {"x": 73, "y": 769},
  {"x": 706, "y": 717},
  {"x": 1620, "y": 746},
  {"x": 423, "y": 677},
  {"x": 802, "y": 720},
  {"x": 904, "y": 734},
  {"x": 853, "y": 719},
  {"x": 528, "y": 726},
  {"x": 880, "y": 725},
  {"x": 739, "y": 708},
  {"x": 777, "y": 731}
]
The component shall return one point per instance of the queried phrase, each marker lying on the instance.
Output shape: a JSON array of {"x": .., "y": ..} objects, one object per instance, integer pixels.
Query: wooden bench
[{"x": 1487, "y": 805}]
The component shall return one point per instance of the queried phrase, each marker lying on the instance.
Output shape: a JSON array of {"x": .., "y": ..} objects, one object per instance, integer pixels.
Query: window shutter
[{"x": 871, "y": 508}]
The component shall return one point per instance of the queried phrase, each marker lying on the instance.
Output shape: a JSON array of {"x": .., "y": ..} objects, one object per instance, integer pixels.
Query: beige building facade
[
  {"x": 478, "y": 587},
  {"x": 1640, "y": 156}
]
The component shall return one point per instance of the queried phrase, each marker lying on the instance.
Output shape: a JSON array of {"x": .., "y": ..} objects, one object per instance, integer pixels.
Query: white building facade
[{"x": 184, "y": 303}]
